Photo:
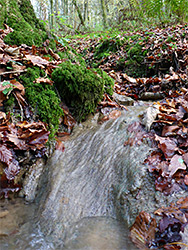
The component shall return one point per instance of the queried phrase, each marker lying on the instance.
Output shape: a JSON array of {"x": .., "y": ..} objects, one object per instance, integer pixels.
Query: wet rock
[
  {"x": 151, "y": 96},
  {"x": 185, "y": 239},
  {"x": 82, "y": 181},
  {"x": 31, "y": 180},
  {"x": 122, "y": 99}
]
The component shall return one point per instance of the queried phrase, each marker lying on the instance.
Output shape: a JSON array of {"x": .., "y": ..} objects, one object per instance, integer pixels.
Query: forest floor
[{"x": 147, "y": 64}]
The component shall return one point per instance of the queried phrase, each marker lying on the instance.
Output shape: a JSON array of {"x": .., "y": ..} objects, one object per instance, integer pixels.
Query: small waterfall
[{"x": 84, "y": 179}]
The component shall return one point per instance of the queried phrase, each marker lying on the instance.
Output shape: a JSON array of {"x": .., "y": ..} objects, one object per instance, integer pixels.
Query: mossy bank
[
  {"x": 19, "y": 15},
  {"x": 81, "y": 88}
]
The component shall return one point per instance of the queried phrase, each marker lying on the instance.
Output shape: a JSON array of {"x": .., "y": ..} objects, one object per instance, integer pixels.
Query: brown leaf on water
[
  {"x": 12, "y": 170},
  {"x": 175, "y": 211},
  {"x": 142, "y": 232},
  {"x": 114, "y": 114},
  {"x": 154, "y": 160},
  {"x": 59, "y": 145}
]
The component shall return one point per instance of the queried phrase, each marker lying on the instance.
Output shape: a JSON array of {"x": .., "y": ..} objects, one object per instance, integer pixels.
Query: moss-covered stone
[
  {"x": 107, "y": 81},
  {"x": 43, "y": 99},
  {"x": 19, "y": 15},
  {"x": 80, "y": 88},
  {"x": 108, "y": 45}
]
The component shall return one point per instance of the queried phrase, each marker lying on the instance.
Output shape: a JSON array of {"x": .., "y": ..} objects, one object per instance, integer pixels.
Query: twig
[{"x": 13, "y": 72}]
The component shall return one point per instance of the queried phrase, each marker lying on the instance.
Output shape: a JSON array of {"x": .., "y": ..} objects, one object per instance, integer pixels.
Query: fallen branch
[{"x": 13, "y": 72}]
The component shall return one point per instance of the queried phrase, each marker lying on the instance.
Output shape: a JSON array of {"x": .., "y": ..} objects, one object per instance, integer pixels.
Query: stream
[{"x": 88, "y": 195}]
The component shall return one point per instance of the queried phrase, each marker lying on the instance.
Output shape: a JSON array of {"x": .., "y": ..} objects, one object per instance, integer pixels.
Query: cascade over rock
[{"x": 97, "y": 175}]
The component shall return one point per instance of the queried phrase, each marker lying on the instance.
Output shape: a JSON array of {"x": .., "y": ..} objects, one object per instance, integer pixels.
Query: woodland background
[{"x": 65, "y": 16}]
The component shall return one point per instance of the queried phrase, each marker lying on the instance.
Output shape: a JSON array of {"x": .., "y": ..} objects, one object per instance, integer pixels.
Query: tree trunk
[
  {"x": 19, "y": 15},
  {"x": 79, "y": 12},
  {"x": 104, "y": 14}
]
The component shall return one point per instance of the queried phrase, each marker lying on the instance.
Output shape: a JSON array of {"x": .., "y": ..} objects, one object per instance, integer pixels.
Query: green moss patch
[
  {"x": 80, "y": 88},
  {"x": 106, "y": 46},
  {"x": 43, "y": 99},
  {"x": 27, "y": 28},
  {"x": 107, "y": 81}
]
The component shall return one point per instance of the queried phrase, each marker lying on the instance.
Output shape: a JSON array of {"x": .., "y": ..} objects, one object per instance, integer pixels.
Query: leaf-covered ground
[{"x": 146, "y": 65}]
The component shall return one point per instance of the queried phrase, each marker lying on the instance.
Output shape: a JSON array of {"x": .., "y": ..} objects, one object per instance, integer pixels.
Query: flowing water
[{"x": 85, "y": 193}]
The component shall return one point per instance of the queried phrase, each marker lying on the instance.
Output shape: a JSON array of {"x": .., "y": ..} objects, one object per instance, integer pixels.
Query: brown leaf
[
  {"x": 59, "y": 145},
  {"x": 55, "y": 56},
  {"x": 20, "y": 144},
  {"x": 6, "y": 155},
  {"x": 169, "y": 130},
  {"x": 167, "y": 145},
  {"x": 176, "y": 163},
  {"x": 18, "y": 85},
  {"x": 185, "y": 158},
  {"x": 2, "y": 117},
  {"x": 114, "y": 114},
  {"x": 171, "y": 247},
  {"x": 39, "y": 139},
  {"x": 44, "y": 80},
  {"x": 186, "y": 180},
  {"x": 37, "y": 60},
  {"x": 12, "y": 170},
  {"x": 142, "y": 232}
]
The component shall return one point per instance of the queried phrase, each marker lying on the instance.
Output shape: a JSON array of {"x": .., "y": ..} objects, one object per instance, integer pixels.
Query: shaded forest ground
[{"x": 149, "y": 64}]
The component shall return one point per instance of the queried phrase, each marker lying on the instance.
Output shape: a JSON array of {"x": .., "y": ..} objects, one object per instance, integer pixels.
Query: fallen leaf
[
  {"x": 186, "y": 180},
  {"x": 114, "y": 114},
  {"x": 176, "y": 163},
  {"x": 37, "y": 61},
  {"x": 44, "y": 80},
  {"x": 167, "y": 145},
  {"x": 142, "y": 232}
]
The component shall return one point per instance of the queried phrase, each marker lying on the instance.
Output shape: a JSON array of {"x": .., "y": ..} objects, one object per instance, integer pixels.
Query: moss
[
  {"x": 135, "y": 57},
  {"x": 108, "y": 45},
  {"x": 43, "y": 99},
  {"x": 9, "y": 103},
  {"x": 3, "y": 13},
  {"x": 29, "y": 15},
  {"x": 52, "y": 44},
  {"x": 20, "y": 16},
  {"x": 107, "y": 81},
  {"x": 31, "y": 75},
  {"x": 72, "y": 55},
  {"x": 80, "y": 88},
  {"x": 135, "y": 53}
]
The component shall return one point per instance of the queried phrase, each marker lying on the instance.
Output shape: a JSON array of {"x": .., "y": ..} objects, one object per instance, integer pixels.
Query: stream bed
[
  {"x": 19, "y": 230},
  {"x": 89, "y": 195}
]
